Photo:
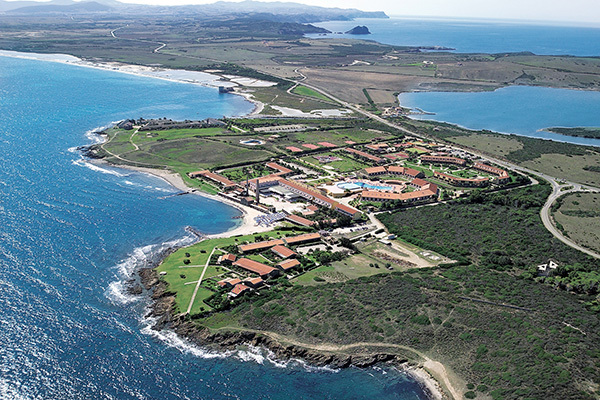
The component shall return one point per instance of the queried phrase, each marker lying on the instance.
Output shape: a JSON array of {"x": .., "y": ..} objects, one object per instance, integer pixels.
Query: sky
[{"x": 587, "y": 11}]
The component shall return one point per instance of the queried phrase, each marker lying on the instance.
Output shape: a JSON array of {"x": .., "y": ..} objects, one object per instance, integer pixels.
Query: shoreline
[
  {"x": 161, "y": 311},
  {"x": 198, "y": 78},
  {"x": 161, "y": 300},
  {"x": 247, "y": 225}
]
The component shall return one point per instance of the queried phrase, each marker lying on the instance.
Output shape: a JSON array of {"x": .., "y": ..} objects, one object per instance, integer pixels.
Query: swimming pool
[{"x": 358, "y": 185}]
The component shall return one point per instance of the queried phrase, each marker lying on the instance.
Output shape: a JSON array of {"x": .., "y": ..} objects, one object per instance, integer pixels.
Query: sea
[
  {"x": 72, "y": 233},
  {"x": 521, "y": 110}
]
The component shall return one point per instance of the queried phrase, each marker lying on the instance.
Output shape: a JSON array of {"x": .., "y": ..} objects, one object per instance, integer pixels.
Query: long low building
[
  {"x": 364, "y": 155},
  {"x": 213, "y": 177},
  {"x": 264, "y": 271},
  {"x": 410, "y": 197},
  {"x": 267, "y": 244},
  {"x": 444, "y": 160},
  {"x": 394, "y": 170},
  {"x": 281, "y": 170},
  {"x": 463, "y": 182},
  {"x": 502, "y": 175}
]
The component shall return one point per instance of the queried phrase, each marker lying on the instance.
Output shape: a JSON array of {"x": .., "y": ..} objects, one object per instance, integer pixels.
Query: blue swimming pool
[{"x": 358, "y": 185}]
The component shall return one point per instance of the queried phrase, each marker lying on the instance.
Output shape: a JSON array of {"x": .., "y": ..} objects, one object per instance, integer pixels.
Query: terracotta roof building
[
  {"x": 464, "y": 182},
  {"x": 213, "y": 177},
  {"x": 283, "y": 251},
  {"x": 294, "y": 149},
  {"x": 238, "y": 290},
  {"x": 364, "y": 155},
  {"x": 226, "y": 259},
  {"x": 230, "y": 282},
  {"x": 254, "y": 282},
  {"x": 264, "y": 271},
  {"x": 282, "y": 171},
  {"x": 444, "y": 160},
  {"x": 502, "y": 175},
  {"x": 300, "y": 220},
  {"x": 288, "y": 265}
]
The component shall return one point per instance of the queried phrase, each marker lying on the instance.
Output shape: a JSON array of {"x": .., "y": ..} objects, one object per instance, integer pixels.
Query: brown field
[{"x": 579, "y": 215}]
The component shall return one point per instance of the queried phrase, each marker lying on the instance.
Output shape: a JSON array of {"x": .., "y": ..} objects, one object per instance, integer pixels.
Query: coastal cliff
[{"x": 164, "y": 301}]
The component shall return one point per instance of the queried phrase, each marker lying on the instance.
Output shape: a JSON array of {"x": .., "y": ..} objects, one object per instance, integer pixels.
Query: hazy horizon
[{"x": 574, "y": 12}]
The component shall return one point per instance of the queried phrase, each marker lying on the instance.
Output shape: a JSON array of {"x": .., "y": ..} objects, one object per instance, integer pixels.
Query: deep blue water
[
  {"x": 469, "y": 36},
  {"x": 522, "y": 110},
  {"x": 71, "y": 233}
]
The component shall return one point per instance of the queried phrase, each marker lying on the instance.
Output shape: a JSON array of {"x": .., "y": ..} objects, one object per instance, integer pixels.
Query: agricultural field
[
  {"x": 579, "y": 217},
  {"x": 308, "y": 92}
]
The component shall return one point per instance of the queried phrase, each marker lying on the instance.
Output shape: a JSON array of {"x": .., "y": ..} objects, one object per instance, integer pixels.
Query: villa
[{"x": 262, "y": 270}]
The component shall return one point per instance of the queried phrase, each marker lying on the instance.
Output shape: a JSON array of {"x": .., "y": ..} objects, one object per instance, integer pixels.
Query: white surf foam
[{"x": 83, "y": 163}]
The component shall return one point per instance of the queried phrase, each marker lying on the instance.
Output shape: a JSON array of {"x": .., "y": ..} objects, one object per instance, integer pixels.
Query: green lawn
[
  {"x": 345, "y": 165},
  {"x": 305, "y": 91}
]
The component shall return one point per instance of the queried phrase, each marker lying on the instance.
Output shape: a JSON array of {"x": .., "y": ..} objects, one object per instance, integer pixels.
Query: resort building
[
  {"x": 300, "y": 220},
  {"x": 226, "y": 259},
  {"x": 283, "y": 252},
  {"x": 260, "y": 269},
  {"x": 293, "y": 240},
  {"x": 319, "y": 199},
  {"x": 410, "y": 197},
  {"x": 288, "y": 265},
  {"x": 229, "y": 282},
  {"x": 254, "y": 283},
  {"x": 403, "y": 171},
  {"x": 374, "y": 171},
  {"x": 502, "y": 175},
  {"x": 213, "y": 177},
  {"x": 444, "y": 160},
  {"x": 378, "y": 148},
  {"x": 463, "y": 182},
  {"x": 238, "y": 290},
  {"x": 281, "y": 170}
]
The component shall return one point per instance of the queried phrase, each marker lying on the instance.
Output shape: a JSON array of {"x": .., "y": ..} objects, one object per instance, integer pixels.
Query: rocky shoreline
[{"x": 161, "y": 309}]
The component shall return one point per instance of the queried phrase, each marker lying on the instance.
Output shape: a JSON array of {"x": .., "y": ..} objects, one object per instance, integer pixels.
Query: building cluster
[{"x": 261, "y": 272}]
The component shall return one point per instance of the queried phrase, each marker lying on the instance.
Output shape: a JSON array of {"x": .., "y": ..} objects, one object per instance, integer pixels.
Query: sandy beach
[
  {"x": 172, "y": 75},
  {"x": 247, "y": 226}
]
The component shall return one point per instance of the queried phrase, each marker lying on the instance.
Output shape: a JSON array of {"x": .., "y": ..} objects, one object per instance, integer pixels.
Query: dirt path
[{"x": 189, "y": 309}]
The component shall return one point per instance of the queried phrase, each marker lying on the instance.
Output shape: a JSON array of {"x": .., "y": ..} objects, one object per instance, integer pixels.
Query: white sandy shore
[
  {"x": 247, "y": 227},
  {"x": 172, "y": 75}
]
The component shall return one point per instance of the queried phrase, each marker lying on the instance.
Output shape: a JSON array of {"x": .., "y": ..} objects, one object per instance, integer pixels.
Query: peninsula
[{"x": 367, "y": 237}]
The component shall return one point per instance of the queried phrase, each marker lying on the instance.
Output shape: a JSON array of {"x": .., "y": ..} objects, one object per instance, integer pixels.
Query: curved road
[{"x": 558, "y": 186}]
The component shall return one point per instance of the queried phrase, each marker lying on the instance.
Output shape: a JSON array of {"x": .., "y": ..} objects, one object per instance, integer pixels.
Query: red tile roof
[
  {"x": 299, "y": 220},
  {"x": 294, "y": 149},
  {"x": 444, "y": 159},
  {"x": 288, "y": 264},
  {"x": 375, "y": 170},
  {"x": 283, "y": 251},
  {"x": 282, "y": 170},
  {"x": 363, "y": 154},
  {"x": 239, "y": 289},
  {"x": 210, "y": 175},
  {"x": 254, "y": 266}
]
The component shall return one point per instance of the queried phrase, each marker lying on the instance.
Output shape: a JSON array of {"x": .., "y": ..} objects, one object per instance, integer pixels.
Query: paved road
[{"x": 558, "y": 185}]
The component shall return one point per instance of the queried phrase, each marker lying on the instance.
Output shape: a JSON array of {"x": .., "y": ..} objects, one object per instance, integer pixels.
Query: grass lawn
[
  {"x": 344, "y": 165},
  {"x": 305, "y": 91},
  {"x": 307, "y": 279}
]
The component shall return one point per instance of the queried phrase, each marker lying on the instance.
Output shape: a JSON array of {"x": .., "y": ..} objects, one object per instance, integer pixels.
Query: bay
[
  {"x": 522, "y": 110},
  {"x": 72, "y": 232},
  {"x": 475, "y": 36}
]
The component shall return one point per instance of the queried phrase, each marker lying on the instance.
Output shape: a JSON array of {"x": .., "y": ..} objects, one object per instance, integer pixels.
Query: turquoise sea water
[
  {"x": 521, "y": 110},
  {"x": 471, "y": 36},
  {"x": 71, "y": 234}
]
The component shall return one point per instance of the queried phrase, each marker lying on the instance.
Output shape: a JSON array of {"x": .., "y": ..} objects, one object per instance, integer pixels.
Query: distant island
[{"x": 359, "y": 30}]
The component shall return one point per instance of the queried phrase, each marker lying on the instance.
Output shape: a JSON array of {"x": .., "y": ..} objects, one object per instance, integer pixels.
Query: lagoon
[{"x": 522, "y": 110}]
